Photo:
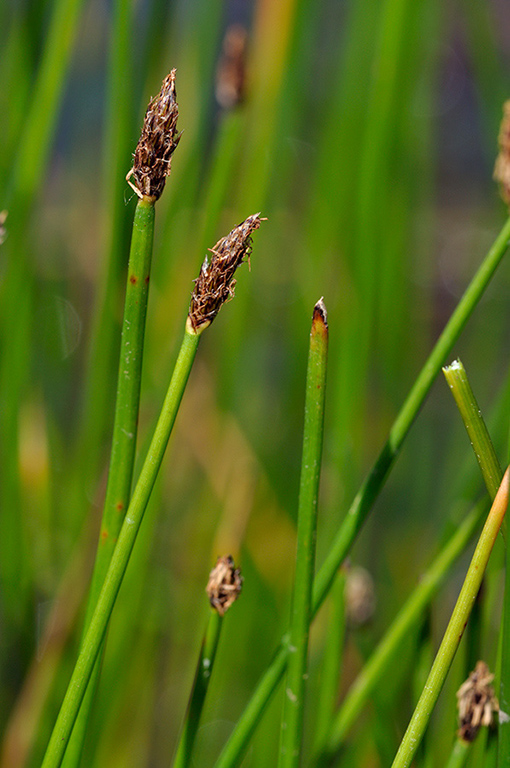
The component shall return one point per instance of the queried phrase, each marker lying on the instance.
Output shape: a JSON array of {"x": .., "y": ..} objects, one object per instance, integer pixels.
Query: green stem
[
  {"x": 410, "y": 613},
  {"x": 292, "y": 721},
  {"x": 456, "y": 377},
  {"x": 125, "y": 427},
  {"x": 455, "y": 629},
  {"x": 200, "y": 685},
  {"x": 94, "y": 637},
  {"x": 120, "y": 475},
  {"x": 459, "y": 754},
  {"x": 370, "y": 489}
]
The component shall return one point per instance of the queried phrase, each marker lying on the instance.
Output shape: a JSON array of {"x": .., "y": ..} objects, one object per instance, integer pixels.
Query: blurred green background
[{"x": 366, "y": 132}]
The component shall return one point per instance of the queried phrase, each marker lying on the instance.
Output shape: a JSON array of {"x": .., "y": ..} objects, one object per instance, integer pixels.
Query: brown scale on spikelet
[
  {"x": 225, "y": 584},
  {"x": 502, "y": 167},
  {"x": 157, "y": 143},
  {"x": 477, "y": 703},
  {"x": 215, "y": 283}
]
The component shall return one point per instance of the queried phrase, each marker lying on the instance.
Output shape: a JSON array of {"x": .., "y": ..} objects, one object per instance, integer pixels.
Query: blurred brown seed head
[
  {"x": 502, "y": 167},
  {"x": 157, "y": 143},
  {"x": 215, "y": 283},
  {"x": 225, "y": 584},
  {"x": 476, "y": 701},
  {"x": 359, "y": 597},
  {"x": 231, "y": 70},
  {"x": 3, "y": 230}
]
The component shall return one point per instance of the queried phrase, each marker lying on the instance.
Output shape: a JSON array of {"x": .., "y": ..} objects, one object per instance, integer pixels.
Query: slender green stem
[
  {"x": 456, "y": 377},
  {"x": 292, "y": 720},
  {"x": 94, "y": 637},
  {"x": 409, "y": 615},
  {"x": 120, "y": 475},
  {"x": 200, "y": 685},
  {"x": 455, "y": 629},
  {"x": 125, "y": 427},
  {"x": 459, "y": 754},
  {"x": 370, "y": 489}
]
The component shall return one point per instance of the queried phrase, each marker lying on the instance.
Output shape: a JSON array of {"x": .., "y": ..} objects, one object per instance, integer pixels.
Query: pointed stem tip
[{"x": 320, "y": 318}]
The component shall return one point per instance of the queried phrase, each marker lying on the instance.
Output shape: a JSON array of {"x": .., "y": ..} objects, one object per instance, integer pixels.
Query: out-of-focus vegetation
[{"x": 366, "y": 132}]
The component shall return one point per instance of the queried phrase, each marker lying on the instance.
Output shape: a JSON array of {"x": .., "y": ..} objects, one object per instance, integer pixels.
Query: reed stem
[{"x": 292, "y": 720}]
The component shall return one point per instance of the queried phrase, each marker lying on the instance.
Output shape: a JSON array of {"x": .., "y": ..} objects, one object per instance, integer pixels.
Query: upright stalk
[{"x": 292, "y": 721}]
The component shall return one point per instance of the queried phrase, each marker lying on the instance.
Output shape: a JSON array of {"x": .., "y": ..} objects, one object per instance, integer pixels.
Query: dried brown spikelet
[
  {"x": 476, "y": 701},
  {"x": 157, "y": 143},
  {"x": 502, "y": 167},
  {"x": 224, "y": 585},
  {"x": 215, "y": 283}
]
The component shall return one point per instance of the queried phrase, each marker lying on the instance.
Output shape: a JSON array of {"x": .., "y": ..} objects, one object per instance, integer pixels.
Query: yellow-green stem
[{"x": 455, "y": 629}]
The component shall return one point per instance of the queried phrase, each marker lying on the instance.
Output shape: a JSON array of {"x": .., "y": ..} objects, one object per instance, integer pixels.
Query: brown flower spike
[
  {"x": 215, "y": 283},
  {"x": 477, "y": 703},
  {"x": 502, "y": 167},
  {"x": 157, "y": 143},
  {"x": 225, "y": 584}
]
